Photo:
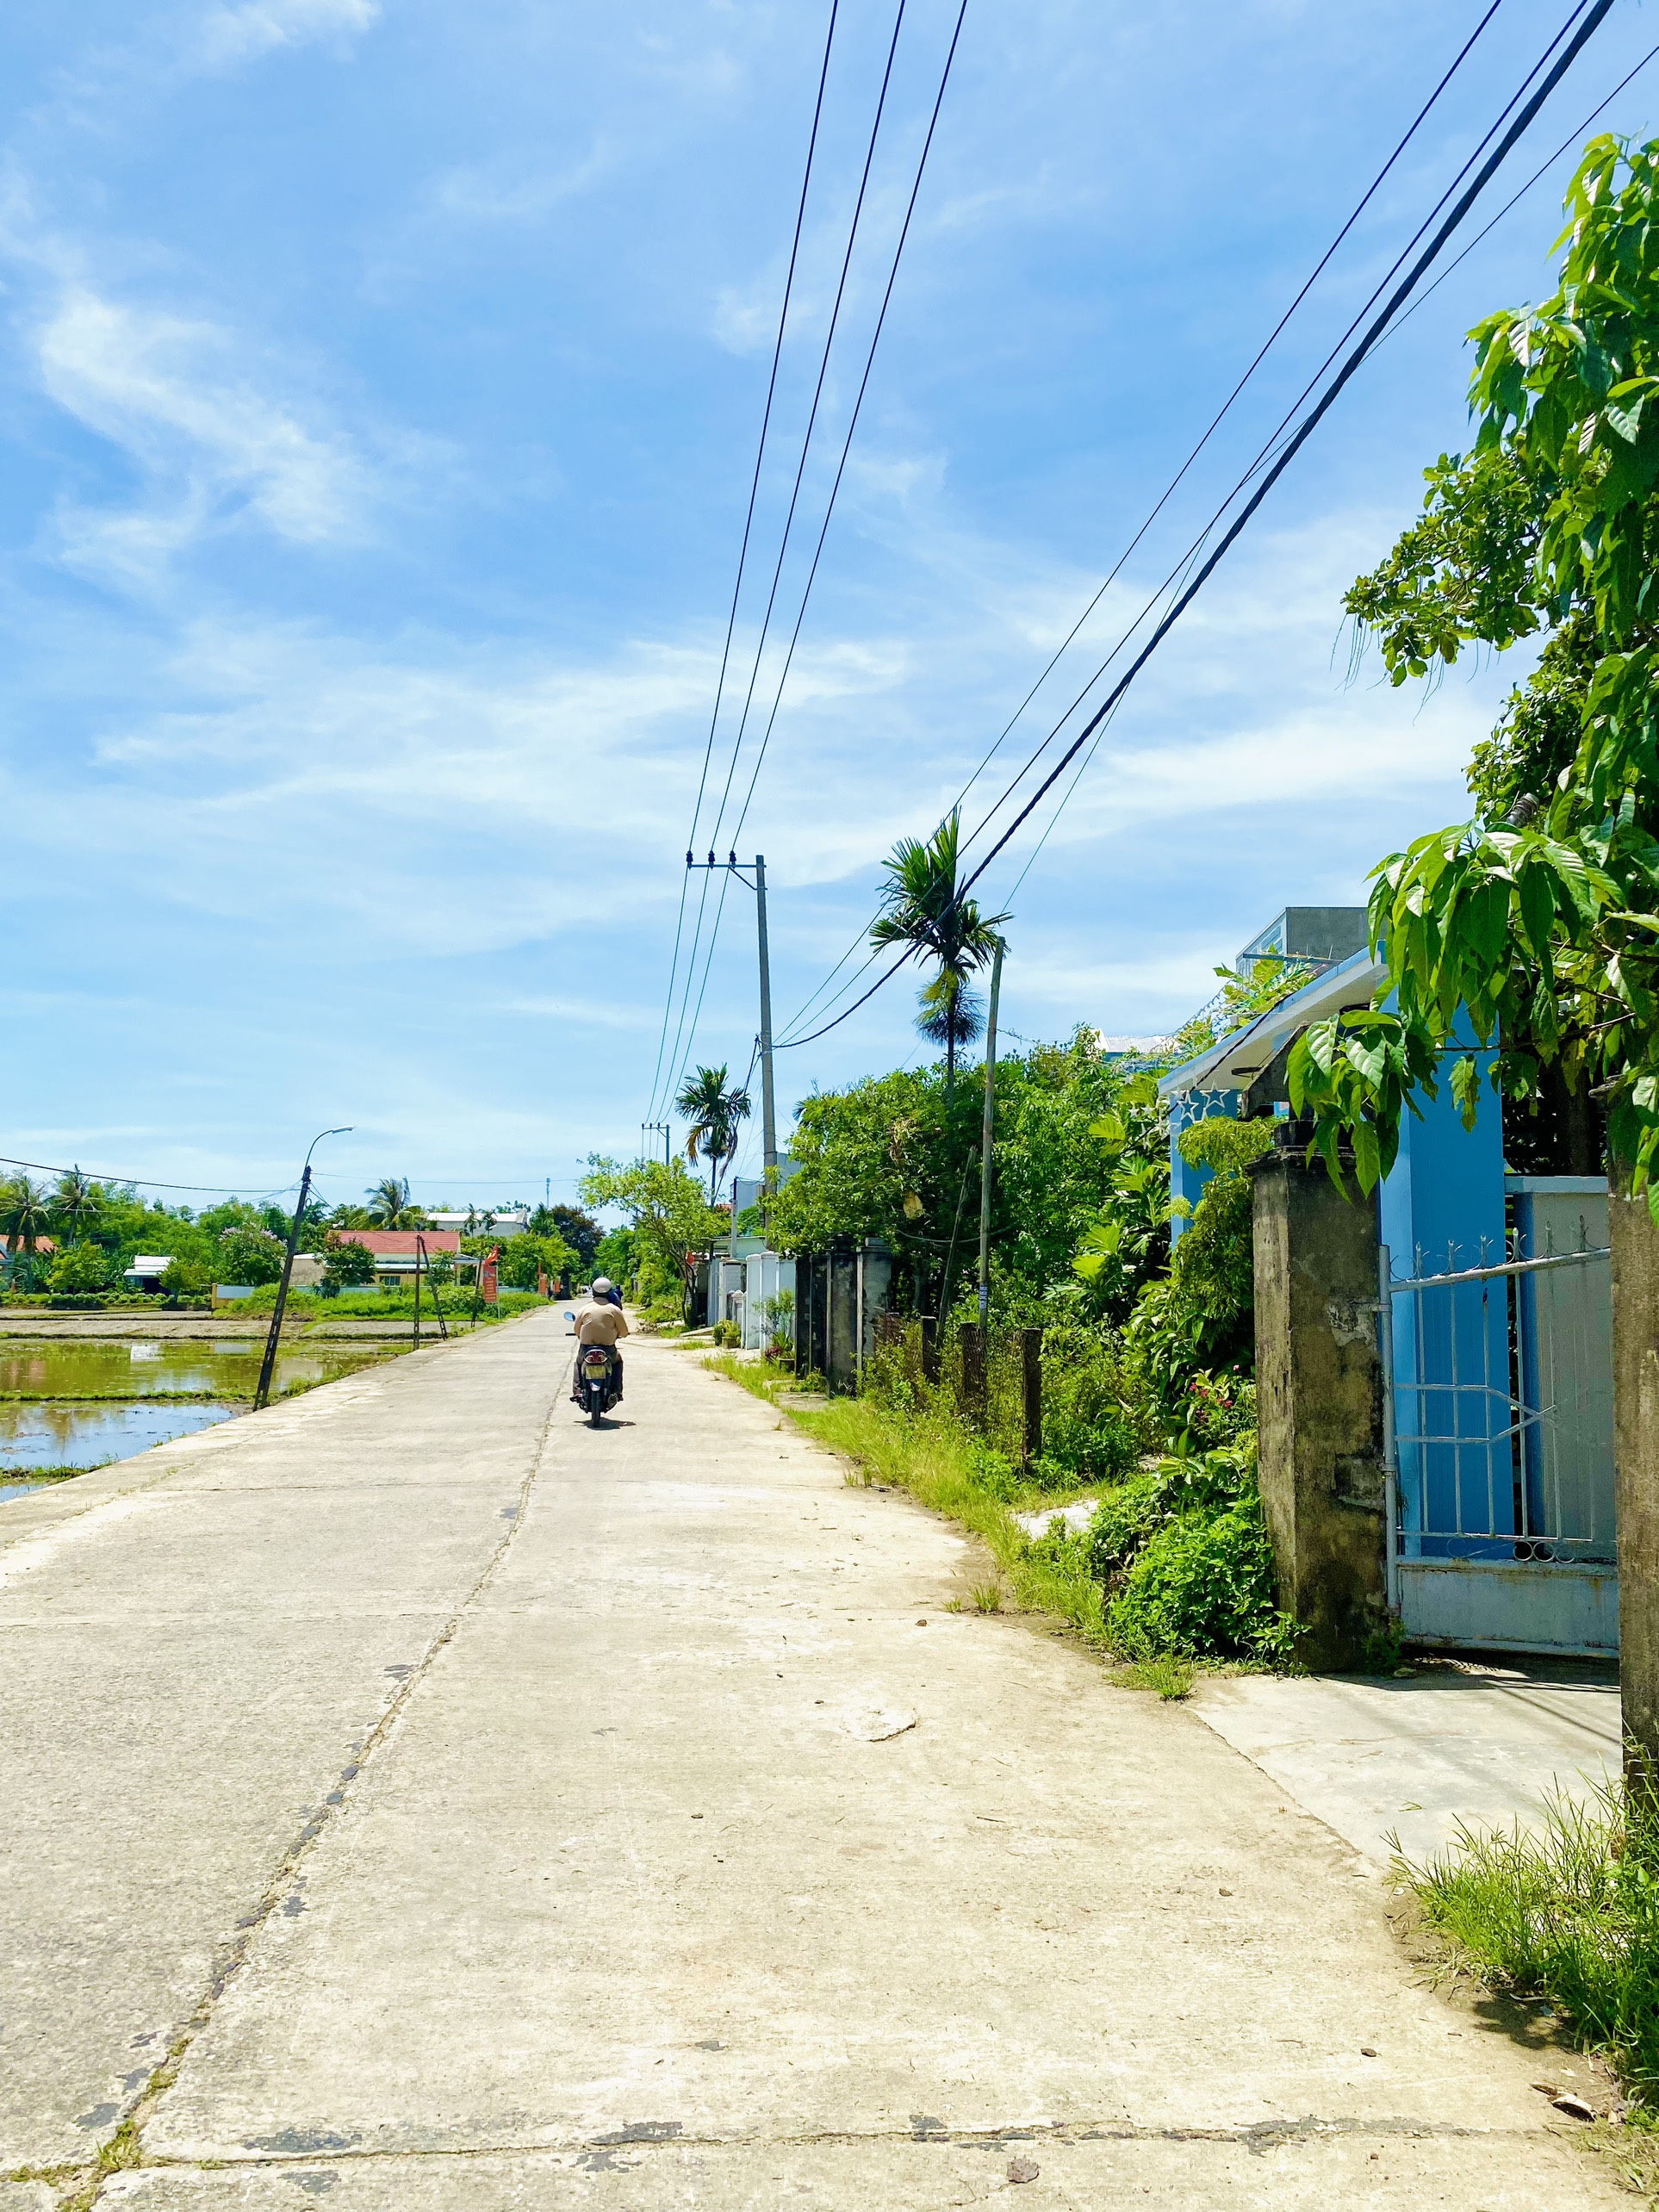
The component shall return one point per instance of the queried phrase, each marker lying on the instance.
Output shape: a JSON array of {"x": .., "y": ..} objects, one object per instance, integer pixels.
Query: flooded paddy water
[{"x": 80, "y": 1402}]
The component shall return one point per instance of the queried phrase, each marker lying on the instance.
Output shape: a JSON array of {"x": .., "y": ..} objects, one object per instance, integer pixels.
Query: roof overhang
[{"x": 1235, "y": 1062}]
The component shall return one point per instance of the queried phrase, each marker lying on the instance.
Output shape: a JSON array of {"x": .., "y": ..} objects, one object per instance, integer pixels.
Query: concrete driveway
[{"x": 430, "y": 1803}]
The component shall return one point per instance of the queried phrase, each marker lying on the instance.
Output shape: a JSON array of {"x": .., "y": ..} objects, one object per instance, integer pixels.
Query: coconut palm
[
  {"x": 922, "y": 911},
  {"x": 715, "y": 1112},
  {"x": 76, "y": 1204},
  {"x": 390, "y": 1206},
  {"x": 25, "y": 1212}
]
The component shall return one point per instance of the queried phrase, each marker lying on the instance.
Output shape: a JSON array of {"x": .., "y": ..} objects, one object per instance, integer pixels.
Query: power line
[
  {"x": 1580, "y": 38},
  {"x": 812, "y": 413},
  {"x": 1571, "y": 139},
  {"x": 1214, "y": 424},
  {"x": 788, "y": 524},
  {"x": 1288, "y": 451},
  {"x": 1270, "y": 447},
  {"x": 852, "y": 425},
  {"x": 748, "y": 519},
  {"x": 777, "y": 573},
  {"x": 141, "y": 1182}
]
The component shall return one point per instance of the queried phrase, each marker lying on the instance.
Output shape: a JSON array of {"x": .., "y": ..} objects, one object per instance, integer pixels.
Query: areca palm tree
[
  {"x": 716, "y": 1111},
  {"x": 923, "y": 910},
  {"x": 390, "y": 1206}
]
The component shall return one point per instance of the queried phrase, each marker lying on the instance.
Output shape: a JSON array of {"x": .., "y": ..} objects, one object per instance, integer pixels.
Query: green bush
[
  {"x": 1201, "y": 1586},
  {"x": 1182, "y": 1553},
  {"x": 1090, "y": 1429}
]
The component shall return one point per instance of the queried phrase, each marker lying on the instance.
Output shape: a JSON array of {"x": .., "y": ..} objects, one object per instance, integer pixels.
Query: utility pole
[
  {"x": 768, "y": 1116},
  {"x": 985, "y": 1140},
  {"x": 666, "y": 1129},
  {"x": 268, "y": 1366}
]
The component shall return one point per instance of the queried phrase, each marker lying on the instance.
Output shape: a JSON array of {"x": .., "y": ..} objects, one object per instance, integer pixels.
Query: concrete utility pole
[
  {"x": 985, "y": 1138},
  {"x": 769, "y": 1119},
  {"x": 769, "y": 1115},
  {"x": 268, "y": 1364}
]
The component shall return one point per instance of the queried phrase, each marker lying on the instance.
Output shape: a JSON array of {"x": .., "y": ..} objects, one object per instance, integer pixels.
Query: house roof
[
  {"x": 1231, "y": 1063},
  {"x": 401, "y": 1243}
]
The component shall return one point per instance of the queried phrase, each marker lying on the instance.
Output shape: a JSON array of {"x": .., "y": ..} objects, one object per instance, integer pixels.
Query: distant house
[
  {"x": 481, "y": 1222},
  {"x": 148, "y": 1270},
  {"x": 395, "y": 1253}
]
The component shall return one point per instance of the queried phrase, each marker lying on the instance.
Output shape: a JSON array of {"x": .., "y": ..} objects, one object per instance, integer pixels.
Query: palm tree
[
  {"x": 952, "y": 1016},
  {"x": 390, "y": 1206},
  {"x": 923, "y": 910},
  {"x": 715, "y": 1113},
  {"x": 76, "y": 1203},
  {"x": 25, "y": 1212}
]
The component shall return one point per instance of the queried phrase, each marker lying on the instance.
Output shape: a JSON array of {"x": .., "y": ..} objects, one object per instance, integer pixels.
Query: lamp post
[{"x": 268, "y": 1366}]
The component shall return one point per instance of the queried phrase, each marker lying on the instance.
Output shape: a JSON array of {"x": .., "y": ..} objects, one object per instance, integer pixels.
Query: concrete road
[
  {"x": 425, "y": 1802},
  {"x": 1405, "y": 1764}
]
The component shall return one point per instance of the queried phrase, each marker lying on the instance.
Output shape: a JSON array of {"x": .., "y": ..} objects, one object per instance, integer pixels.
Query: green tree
[
  {"x": 1541, "y": 925},
  {"x": 579, "y": 1230},
  {"x": 346, "y": 1265},
  {"x": 716, "y": 1109},
  {"x": 83, "y": 1268},
  {"x": 525, "y": 1257},
  {"x": 666, "y": 1212},
  {"x": 923, "y": 910},
  {"x": 614, "y": 1255},
  {"x": 246, "y": 1254}
]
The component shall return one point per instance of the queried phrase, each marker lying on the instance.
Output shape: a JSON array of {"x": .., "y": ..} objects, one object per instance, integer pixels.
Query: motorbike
[{"x": 597, "y": 1385}]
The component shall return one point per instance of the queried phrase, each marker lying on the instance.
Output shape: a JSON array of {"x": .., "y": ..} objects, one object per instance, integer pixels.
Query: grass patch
[
  {"x": 1570, "y": 1914},
  {"x": 761, "y": 1378},
  {"x": 45, "y": 1474}
]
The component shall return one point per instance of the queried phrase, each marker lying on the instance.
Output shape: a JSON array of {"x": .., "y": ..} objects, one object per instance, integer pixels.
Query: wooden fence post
[
  {"x": 1030, "y": 1396},
  {"x": 971, "y": 1338},
  {"x": 929, "y": 1349}
]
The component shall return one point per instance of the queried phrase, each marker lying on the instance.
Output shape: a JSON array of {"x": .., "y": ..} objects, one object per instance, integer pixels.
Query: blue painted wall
[
  {"x": 1439, "y": 1209},
  {"x": 1187, "y": 1182}
]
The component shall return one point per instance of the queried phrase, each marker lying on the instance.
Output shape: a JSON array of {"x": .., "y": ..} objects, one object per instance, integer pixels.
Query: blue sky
[{"x": 380, "y": 382}]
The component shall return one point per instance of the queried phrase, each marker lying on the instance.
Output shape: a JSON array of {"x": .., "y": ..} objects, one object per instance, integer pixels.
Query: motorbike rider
[{"x": 602, "y": 1322}]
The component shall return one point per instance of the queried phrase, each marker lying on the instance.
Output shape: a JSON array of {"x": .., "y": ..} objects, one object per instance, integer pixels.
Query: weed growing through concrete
[
  {"x": 985, "y": 1597},
  {"x": 1569, "y": 1913}
]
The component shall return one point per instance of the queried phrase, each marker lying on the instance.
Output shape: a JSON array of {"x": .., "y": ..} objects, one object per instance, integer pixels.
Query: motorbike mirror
[{"x": 570, "y": 1317}]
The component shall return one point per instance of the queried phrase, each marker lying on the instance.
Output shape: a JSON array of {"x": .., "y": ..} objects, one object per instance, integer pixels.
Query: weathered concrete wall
[
  {"x": 1320, "y": 1406},
  {"x": 1635, "y": 1243}
]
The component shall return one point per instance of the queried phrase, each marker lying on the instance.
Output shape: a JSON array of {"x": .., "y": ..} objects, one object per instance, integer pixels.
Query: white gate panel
[{"x": 1485, "y": 1605}]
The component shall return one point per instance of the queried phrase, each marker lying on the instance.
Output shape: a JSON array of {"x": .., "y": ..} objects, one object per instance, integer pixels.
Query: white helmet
[{"x": 602, "y": 1286}]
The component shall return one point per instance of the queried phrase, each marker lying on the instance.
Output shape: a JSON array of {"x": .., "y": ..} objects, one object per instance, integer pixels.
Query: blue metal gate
[{"x": 1497, "y": 1439}]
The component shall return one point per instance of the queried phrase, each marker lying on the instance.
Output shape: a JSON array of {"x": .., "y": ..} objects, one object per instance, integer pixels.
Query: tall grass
[{"x": 1569, "y": 1913}]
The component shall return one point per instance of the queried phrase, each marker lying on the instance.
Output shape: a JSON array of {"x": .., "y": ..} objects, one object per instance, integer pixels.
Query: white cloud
[
  {"x": 228, "y": 36},
  {"x": 513, "y": 192},
  {"x": 210, "y": 444}
]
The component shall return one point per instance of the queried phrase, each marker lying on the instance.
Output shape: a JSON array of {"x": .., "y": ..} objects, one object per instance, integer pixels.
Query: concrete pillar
[
  {"x": 1319, "y": 1385},
  {"x": 1635, "y": 1242}
]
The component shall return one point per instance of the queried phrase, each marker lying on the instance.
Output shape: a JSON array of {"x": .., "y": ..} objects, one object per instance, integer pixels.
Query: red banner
[{"x": 488, "y": 1288}]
